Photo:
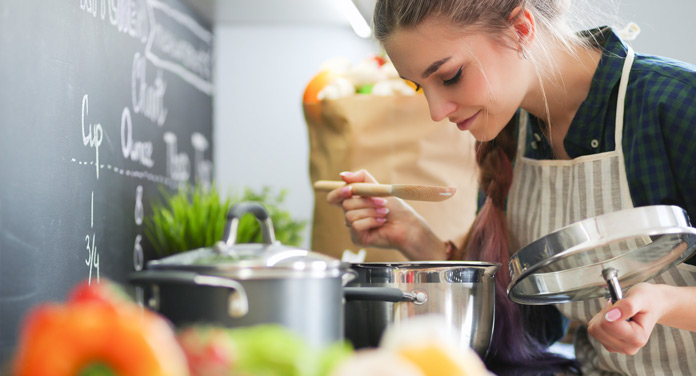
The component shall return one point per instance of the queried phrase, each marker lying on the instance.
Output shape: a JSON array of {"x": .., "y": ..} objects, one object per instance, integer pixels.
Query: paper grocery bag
[{"x": 394, "y": 139}]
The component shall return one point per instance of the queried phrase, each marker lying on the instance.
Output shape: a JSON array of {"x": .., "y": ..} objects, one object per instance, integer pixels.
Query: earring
[{"x": 524, "y": 52}]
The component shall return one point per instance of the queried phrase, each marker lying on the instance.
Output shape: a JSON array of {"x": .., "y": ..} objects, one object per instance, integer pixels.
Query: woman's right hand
[{"x": 385, "y": 222}]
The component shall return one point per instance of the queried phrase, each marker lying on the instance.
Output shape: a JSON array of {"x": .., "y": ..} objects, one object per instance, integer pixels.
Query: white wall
[
  {"x": 667, "y": 27},
  {"x": 259, "y": 129}
]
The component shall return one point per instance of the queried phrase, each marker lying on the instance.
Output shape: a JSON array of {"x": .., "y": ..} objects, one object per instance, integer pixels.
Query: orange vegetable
[
  {"x": 315, "y": 85},
  {"x": 96, "y": 330}
]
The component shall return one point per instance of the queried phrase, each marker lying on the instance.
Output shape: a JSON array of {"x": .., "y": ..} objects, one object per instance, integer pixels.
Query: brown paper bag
[{"x": 394, "y": 139}]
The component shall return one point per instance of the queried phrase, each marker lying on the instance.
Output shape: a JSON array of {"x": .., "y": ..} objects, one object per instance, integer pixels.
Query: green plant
[
  {"x": 191, "y": 218},
  {"x": 194, "y": 217}
]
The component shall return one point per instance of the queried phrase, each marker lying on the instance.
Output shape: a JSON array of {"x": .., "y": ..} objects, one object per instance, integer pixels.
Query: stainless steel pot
[
  {"x": 247, "y": 284},
  {"x": 460, "y": 291}
]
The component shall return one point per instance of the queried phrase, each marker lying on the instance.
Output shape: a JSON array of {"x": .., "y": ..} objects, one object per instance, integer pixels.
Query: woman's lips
[{"x": 464, "y": 125}]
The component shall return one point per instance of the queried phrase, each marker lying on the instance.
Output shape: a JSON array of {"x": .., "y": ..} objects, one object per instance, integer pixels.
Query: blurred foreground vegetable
[
  {"x": 269, "y": 350},
  {"x": 98, "y": 331},
  {"x": 421, "y": 346}
]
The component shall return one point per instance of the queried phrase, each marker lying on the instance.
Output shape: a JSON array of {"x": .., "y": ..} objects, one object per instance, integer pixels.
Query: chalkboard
[{"x": 101, "y": 102}]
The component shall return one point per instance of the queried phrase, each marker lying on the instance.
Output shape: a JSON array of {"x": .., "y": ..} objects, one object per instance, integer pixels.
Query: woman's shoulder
[
  {"x": 662, "y": 73},
  {"x": 663, "y": 90}
]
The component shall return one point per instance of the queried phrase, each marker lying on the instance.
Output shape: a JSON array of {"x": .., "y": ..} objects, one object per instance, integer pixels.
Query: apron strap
[
  {"x": 522, "y": 133},
  {"x": 618, "y": 135},
  {"x": 623, "y": 85}
]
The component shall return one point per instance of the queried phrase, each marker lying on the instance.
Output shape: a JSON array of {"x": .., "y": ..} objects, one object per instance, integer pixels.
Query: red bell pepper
[{"x": 97, "y": 331}]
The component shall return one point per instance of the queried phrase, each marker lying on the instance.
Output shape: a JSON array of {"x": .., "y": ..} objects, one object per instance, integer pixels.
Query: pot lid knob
[{"x": 235, "y": 214}]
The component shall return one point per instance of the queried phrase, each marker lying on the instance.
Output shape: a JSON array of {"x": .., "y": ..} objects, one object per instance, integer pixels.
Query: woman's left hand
[{"x": 644, "y": 305}]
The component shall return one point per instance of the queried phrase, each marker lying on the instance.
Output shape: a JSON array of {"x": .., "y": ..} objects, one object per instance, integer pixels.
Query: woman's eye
[{"x": 454, "y": 79}]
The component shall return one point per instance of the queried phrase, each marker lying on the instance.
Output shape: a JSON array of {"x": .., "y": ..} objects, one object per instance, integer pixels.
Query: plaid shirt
[{"x": 659, "y": 140}]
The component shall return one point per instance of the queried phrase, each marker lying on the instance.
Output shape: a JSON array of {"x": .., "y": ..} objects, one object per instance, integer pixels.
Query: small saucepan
[{"x": 462, "y": 292}]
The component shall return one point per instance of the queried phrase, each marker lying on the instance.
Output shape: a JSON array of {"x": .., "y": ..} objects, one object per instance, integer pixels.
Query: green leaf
[{"x": 97, "y": 369}]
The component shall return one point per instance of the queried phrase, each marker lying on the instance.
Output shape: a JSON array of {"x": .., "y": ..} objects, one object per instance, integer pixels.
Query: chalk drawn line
[
  {"x": 200, "y": 83},
  {"x": 138, "y": 174}
]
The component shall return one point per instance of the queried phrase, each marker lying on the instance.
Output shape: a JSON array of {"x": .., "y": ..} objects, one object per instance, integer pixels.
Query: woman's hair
[
  {"x": 488, "y": 238},
  {"x": 491, "y": 17}
]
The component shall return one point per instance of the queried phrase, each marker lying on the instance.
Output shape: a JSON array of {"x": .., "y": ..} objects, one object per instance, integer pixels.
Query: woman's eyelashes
[
  {"x": 449, "y": 82},
  {"x": 454, "y": 78}
]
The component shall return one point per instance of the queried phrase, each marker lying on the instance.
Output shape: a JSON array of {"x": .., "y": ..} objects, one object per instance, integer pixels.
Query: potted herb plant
[{"x": 194, "y": 217}]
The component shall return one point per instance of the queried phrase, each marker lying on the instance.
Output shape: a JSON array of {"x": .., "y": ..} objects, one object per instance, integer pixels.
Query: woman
[{"x": 613, "y": 127}]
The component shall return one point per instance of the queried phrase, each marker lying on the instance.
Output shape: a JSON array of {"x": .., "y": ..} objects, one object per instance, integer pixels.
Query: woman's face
[{"x": 467, "y": 78}]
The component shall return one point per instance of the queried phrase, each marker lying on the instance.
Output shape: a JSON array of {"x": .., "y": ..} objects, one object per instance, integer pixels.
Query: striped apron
[{"x": 549, "y": 194}]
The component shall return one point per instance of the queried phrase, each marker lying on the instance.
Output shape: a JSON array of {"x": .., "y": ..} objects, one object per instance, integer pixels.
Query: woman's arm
[{"x": 680, "y": 310}]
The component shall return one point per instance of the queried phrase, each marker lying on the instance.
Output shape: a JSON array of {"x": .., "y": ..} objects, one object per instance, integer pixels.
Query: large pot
[
  {"x": 247, "y": 284},
  {"x": 462, "y": 292}
]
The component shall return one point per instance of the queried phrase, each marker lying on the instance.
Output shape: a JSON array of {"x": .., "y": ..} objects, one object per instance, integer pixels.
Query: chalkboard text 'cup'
[{"x": 237, "y": 285}]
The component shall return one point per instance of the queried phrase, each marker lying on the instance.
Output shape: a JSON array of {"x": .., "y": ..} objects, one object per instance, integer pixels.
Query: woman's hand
[
  {"x": 645, "y": 304},
  {"x": 385, "y": 222}
]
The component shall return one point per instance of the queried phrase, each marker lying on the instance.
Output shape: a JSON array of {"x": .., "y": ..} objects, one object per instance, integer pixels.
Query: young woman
[{"x": 591, "y": 127}]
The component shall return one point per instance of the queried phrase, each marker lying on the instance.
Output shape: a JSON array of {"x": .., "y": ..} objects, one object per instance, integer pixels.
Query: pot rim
[
  {"x": 254, "y": 271},
  {"x": 430, "y": 264}
]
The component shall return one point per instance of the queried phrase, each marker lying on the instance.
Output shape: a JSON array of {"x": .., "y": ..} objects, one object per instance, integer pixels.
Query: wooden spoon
[{"x": 405, "y": 191}]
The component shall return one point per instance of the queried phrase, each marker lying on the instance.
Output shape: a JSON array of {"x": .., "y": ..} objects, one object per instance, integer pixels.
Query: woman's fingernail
[
  {"x": 346, "y": 173},
  {"x": 346, "y": 190},
  {"x": 379, "y": 201},
  {"x": 381, "y": 220},
  {"x": 613, "y": 315},
  {"x": 382, "y": 211}
]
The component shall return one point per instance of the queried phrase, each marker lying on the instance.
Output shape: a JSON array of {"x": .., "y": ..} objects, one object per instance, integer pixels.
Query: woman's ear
[{"x": 522, "y": 21}]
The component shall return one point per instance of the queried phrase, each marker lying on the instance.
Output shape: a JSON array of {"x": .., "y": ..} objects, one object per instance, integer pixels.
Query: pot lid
[
  {"x": 597, "y": 256},
  {"x": 269, "y": 259}
]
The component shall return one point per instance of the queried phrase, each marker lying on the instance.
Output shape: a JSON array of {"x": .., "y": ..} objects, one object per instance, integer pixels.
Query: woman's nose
[{"x": 440, "y": 107}]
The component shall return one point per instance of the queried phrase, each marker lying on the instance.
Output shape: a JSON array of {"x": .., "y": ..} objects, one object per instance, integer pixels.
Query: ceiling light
[{"x": 356, "y": 19}]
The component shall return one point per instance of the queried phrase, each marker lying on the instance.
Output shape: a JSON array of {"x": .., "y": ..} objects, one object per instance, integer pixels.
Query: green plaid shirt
[{"x": 659, "y": 140}]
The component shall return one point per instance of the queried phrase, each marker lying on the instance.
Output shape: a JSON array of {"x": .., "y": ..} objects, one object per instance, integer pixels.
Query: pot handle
[
  {"x": 238, "y": 302},
  {"x": 349, "y": 276},
  {"x": 235, "y": 214},
  {"x": 385, "y": 294}
]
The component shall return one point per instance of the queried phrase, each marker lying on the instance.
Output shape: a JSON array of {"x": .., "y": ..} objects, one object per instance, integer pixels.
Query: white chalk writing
[
  {"x": 93, "y": 138},
  {"x": 92, "y": 260},
  {"x": 137, "y": 151},
  {"x": 139, "y": 212},
  {"x": 178, "y": 164},
  {"x": 189, "y": 56},
  {"x": 148, "y": 99},
  {"x": 130, "y": 17},
  {"x": 203, "y": 167},
  {"x": 138, "y": 258}
]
